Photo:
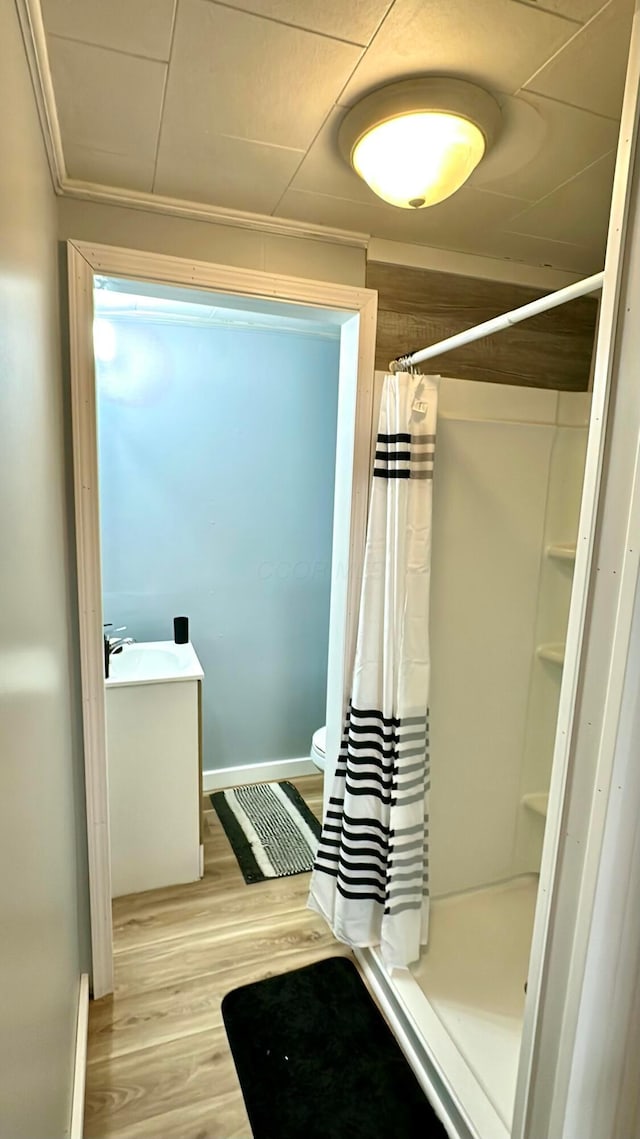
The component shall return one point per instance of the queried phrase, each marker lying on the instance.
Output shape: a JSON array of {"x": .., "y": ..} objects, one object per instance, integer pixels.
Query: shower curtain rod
[{"x": 498, "y": 323}]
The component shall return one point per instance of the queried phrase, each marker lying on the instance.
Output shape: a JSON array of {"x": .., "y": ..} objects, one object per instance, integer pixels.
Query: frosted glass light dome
[
  {"x": 416, "y": 142},
  {"x": 420, "y": 159}
]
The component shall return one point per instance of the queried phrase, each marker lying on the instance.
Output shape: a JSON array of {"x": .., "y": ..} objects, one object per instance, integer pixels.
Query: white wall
[
  {"x": 493, "y": 454},
  {"x": 508, "y": 477},
  {"x": 508, "y": 480},
  {"x": 207, "y": 241},
  {"x": 43, "y": 902},
  {"x": 566, "y": 476}
]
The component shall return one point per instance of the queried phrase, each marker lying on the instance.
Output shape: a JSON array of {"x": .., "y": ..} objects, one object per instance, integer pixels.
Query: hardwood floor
[{"x": 159, "y": 1066}]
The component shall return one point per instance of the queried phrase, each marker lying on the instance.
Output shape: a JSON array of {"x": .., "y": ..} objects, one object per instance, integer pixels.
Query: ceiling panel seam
[
  {"x": 174, "y": 16},
  {"x": 285, "y": 23},
  {"x": 555, "y": 54},
  {"x": 112, "y": 50},
  {"x": 335, "y": 106},
  {"x": 564, "y": 103},
  {"x": 547, "y": 240},
  {"x": 567, "y": 181},
  {"x": 531, "y": 4}
]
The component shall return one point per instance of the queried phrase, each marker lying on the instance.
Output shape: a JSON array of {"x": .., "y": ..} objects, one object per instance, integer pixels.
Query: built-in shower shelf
[
  {"x": 551, "y": 652},
  {"x": 537, "y": 803},
  {"x": 562, "y": 551}
]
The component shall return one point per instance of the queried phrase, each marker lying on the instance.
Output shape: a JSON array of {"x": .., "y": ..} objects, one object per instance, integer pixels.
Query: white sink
[{"x": 153, "y": 662}]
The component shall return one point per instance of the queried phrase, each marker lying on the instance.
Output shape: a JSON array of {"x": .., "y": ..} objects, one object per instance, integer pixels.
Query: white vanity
[{"x": 153, "y": 701}]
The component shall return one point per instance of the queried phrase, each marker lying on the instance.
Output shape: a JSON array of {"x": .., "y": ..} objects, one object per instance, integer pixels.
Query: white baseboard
[
  {"x": 76, "y": 1129},
  {"x": 256, "y": 773}
]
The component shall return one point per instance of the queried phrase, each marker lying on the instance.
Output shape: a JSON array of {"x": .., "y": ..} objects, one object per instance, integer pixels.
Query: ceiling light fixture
[{"x": 417, "y": 141}]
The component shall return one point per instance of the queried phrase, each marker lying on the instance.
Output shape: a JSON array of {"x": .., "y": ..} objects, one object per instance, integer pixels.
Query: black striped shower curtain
[{"x": 370, "y": 878}]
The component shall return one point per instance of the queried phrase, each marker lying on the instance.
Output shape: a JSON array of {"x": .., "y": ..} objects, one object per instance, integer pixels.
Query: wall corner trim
[
  {"x": 35, "y": 44},
  {"x": 76, "y": 1128}
]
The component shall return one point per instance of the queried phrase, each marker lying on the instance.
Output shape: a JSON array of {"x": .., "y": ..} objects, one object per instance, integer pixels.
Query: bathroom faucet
[{"x": 114, "y": 645}]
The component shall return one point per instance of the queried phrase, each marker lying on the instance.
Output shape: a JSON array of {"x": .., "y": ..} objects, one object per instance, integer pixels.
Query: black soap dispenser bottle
[{"x": 181, "y": 630}]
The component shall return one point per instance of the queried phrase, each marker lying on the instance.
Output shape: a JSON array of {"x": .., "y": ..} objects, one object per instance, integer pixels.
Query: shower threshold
[{"x": 462, "y": 1004}]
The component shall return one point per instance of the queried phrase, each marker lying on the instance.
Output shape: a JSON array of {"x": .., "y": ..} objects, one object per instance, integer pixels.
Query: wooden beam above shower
[{"x": 419, "y": 307}]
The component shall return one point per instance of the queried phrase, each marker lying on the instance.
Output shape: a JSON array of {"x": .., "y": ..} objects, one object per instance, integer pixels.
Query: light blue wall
[{"x": 217, "y": 457}]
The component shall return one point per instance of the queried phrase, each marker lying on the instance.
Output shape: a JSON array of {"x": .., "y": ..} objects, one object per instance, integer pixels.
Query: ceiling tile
[
  {"x": 577, "y": 212},
  {"x": 141, "y": 28},
  {"x": 579, "y": 10},
  {"x": 243, "y": 76},
  {"x": 531, "y": 158},
  {"x": 471, "y": 222},
  {"x": 227, "y": 171},
  {"x": 451, "y": 224},
  {"x": 538, "y": 251},
  {"x": 496, "y": 43},
  {"x": 324, "y": 171},
  {"x": 355, "y": 21},
  {"x": 590, "y": 71},
  {"x": 106, "y": 101},
  {"x": 323, "y": 209},
  {"x": 108, "y": 169}
]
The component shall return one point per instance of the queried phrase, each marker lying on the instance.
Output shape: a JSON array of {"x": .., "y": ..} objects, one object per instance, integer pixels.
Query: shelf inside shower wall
[
  {"x": 554, "y": 653},
  {"x": 537, "y": 802},
  {"x": 562, "y": 551}
]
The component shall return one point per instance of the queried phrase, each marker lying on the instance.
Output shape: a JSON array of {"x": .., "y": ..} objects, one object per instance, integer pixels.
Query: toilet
[{"x": 319, "y": 747}]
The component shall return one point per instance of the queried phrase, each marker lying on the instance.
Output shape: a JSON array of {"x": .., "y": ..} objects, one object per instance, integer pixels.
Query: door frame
[{"x": 85, "y": 261}]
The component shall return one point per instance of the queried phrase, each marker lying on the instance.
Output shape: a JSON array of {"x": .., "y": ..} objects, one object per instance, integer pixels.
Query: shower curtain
[{"x": 370, "y": 877}]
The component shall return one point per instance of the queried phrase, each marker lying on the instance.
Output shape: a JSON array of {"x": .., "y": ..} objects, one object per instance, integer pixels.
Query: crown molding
[
  {"x": 201, "y": 211},
  {"x": 33, "y": 35},
  {"x": 378, "y": 249}
]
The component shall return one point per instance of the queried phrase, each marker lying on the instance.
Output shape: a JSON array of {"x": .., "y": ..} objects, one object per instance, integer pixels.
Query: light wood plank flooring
[{"x": 159, "y": 1066}]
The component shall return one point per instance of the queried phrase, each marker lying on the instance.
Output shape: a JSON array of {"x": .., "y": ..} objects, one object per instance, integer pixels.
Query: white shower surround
[
  {"x": 494, "y": 492},
  {"x": 560, "y": 1073},
  {"x": 507, "y": 483}
]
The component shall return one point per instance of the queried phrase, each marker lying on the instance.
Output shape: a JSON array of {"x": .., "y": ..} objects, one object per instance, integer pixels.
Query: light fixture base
[{"x": 426, "y": 96}]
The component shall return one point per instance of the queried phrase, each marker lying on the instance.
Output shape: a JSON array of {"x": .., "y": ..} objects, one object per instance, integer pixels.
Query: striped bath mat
[{"x": 271, "y": 829}]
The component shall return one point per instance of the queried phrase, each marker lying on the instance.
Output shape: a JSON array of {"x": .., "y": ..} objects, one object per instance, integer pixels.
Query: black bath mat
[
  {"x": 271, "y": 829},
  {"x": 316, "y": 1060}
]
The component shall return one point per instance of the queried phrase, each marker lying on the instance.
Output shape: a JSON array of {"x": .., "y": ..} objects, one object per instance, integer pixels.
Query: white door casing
[{"x": 357, "y": 349}]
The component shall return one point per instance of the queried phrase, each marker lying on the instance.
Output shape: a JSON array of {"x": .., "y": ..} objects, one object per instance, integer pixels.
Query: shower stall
[
  {"x": 520, "y": 1019},
  {"x": 507, "y": 488}
]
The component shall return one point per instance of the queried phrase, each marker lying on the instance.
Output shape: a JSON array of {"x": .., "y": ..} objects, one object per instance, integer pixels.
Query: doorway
[{"x": 352, "y": 312}]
